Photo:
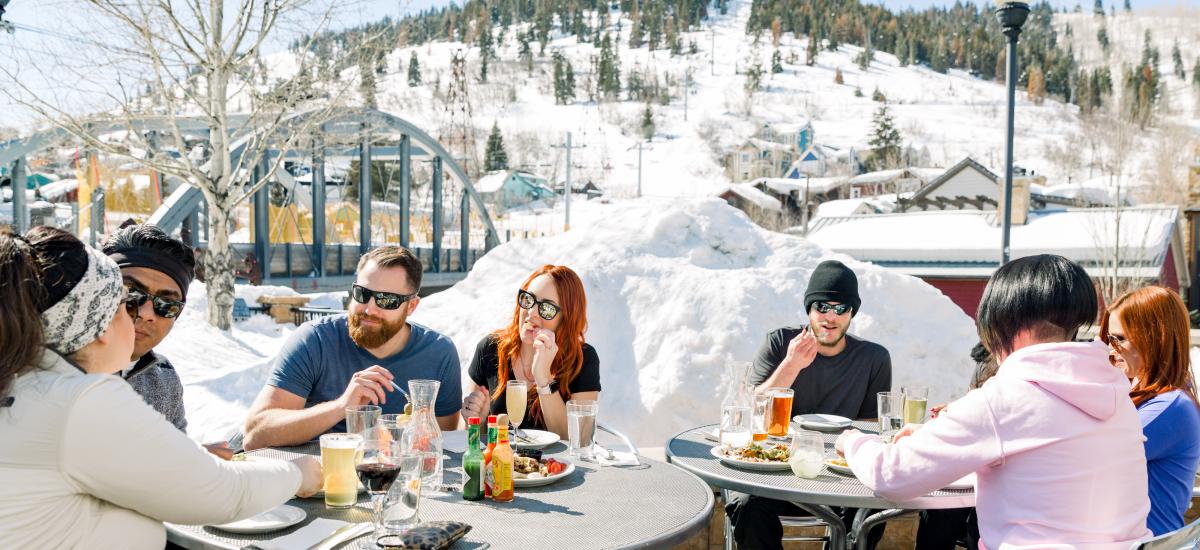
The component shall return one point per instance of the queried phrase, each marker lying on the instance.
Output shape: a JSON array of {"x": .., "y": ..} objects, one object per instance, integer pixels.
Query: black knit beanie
[{"x": 832, "y": 281}]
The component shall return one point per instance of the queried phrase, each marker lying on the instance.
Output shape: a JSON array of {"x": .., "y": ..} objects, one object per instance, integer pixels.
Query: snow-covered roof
[
  {"x": 956, "y": 240},
  {"x": 1086, "y": 191},
  {"x": 764, "y": 145},
  {"x": 883, "y": 176},
  {"x": 843, "y": 207},
  {"x": 59, "y": 188},
  {"x": 491, "y": 183},
  {"x": 786, "y": 186},
  {"x": 760, "y": 199}
]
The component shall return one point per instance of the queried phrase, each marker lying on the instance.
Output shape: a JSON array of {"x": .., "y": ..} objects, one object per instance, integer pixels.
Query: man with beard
[
  {"x": 360, "y": 358},
  {"x": 831, "y": 372}
]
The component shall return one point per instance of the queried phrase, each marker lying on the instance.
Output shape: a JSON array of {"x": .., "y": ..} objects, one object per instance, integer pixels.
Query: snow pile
[{"x": 676, "y": 290}]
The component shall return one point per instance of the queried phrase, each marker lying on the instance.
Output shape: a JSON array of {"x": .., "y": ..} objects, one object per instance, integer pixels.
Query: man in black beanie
[
  {"x": 157, "y": 270},
  {"x": 831, "y": 372}
]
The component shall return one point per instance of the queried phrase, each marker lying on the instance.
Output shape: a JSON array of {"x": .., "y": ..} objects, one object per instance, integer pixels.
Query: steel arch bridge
[{"x": 365, "y": 135}]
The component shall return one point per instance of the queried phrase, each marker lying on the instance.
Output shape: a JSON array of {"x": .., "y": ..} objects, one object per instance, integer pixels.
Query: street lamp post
[{"x": 1011, "y": 15}]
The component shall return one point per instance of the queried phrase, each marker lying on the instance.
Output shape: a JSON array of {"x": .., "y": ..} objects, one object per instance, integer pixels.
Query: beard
[
  {"x": 371, "y": 337},
  {"x": 831, "y": 338}
]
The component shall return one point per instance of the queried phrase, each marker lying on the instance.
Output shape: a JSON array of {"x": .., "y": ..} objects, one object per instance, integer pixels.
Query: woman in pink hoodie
[{"x": 1053, "y": 438}]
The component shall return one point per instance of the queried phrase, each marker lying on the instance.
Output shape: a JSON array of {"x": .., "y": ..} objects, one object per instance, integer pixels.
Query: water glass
[
  {"x": 338, "y": 453},
  {"x": 916, "y": 403},
  {"x": 391, "y": 426},
  {"x": 736, "y": 428},
  {"x": 402, "y": 504},
  {"x": 891, "y": 413},
  {"x": 360, "y": 420},
  {"x": 581, "y": 427},
  {"x": 807, "y": 454},
  {"x": 762, "y": 406}
]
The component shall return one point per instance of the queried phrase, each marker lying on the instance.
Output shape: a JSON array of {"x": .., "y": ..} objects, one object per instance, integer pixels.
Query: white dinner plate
[
  {"x": 823, "y": 421},
  {"x": 279, "y": 517},
  {"x": 537, "y": 439},
  {"x": 715, "y": 433},
  {"x": 539, "y": 481},
  {"x": 844, "y": 470},
  {"x": 737, "y": 463}
]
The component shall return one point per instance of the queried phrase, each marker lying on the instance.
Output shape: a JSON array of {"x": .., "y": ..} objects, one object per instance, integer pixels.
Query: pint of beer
[
  {"x": 338, "y": 452},
  {"x": 780, "y": 415}
]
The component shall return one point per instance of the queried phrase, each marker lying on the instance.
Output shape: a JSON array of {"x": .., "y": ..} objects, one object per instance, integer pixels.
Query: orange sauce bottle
[
  {"x": 503, "y": 463},
  {"x": 487, "y": 456}
]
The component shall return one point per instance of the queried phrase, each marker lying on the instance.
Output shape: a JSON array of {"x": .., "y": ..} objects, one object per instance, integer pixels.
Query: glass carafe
[
  {"x": 423, "y": 436},
  {"x": 738, "y": 390}
]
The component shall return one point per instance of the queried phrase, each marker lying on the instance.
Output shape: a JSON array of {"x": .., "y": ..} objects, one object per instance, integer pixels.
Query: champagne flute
[
  {"x": 377, "y": 467},
  {"x": 516, "y": 396}
]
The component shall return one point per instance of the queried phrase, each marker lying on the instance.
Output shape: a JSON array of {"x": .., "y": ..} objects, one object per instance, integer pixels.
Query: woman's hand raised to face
[
  {"x": 544, "y": 350},
  {"x": 477, "y": 403}
]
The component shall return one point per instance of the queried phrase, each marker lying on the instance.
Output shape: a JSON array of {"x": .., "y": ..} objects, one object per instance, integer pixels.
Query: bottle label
[
  {"x": 503, "y": 477},
  {"x": 489, "y": 478}
]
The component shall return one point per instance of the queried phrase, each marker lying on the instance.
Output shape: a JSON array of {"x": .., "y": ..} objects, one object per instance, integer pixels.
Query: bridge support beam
[
  {"x": 20, "y": 209},
  {"x": 405, "y": 187},
  {"x": 364, "y": 190},
  {"x": 464, "y": 231},
  {"x": 436, "y": 264},
  {"x": 262, "y": 216},
  {"x": 318, "y": 206}
]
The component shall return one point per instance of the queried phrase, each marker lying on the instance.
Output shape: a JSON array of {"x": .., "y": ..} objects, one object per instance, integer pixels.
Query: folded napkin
[
  {"x": 304, "y": 537},
  {"x": 619, "y": 458}
]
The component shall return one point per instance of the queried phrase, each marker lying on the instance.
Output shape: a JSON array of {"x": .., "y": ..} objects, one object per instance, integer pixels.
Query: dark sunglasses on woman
[
  {"x": 546, "y": 310},
  {"x": 383, "y": 300},
  {"x": 163, "y": 307}
]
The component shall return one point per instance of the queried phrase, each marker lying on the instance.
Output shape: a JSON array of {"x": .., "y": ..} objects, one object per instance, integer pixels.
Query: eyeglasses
[
  {"x": 1116, "y": 341},
  {"x": 383, "y": 300},
  {"x": 824, "y": 307},
  {"x": 545, "y": 310},
  {"x": 163, "y": 307}
]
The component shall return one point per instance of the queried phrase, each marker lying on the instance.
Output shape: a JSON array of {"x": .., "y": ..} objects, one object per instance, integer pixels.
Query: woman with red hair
[
  {"x": 1147, "y": 333},
  {"x": 544, "y": 346}
]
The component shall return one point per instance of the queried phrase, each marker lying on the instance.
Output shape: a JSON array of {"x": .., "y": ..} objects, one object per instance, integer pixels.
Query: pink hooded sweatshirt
[{"x": 1054, "y": 441}]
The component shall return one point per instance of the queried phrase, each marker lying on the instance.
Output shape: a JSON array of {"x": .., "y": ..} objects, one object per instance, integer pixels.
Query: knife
[{"x": 343, "y": 534}]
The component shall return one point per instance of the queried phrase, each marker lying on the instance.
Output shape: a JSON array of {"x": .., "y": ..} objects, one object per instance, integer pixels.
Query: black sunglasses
[
  {"x": 823, "y": 307},
  {"x": 383, "y": 300},
  {"x": 1116, "y": 341},
  {"x": 546, "y": 310},
  {"x": 163, "y": 307}
]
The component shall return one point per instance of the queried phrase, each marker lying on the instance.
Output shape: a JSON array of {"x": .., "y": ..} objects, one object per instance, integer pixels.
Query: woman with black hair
[
  {"x": 85, "y": 462},
  {"x": 1055, "y": 446}
]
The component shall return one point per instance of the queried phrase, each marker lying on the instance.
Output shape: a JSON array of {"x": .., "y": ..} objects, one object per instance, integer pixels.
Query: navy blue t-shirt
[
  {"x": 1171, "y": 424},
  {"x": 319, "y": 358}
]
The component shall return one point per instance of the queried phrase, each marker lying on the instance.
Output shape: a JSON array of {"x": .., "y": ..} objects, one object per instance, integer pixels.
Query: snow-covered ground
[{"x": 676, "y": 290}]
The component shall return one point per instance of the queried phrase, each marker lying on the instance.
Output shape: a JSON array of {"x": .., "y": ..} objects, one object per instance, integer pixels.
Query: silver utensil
[{"x": 343, "y": 534}]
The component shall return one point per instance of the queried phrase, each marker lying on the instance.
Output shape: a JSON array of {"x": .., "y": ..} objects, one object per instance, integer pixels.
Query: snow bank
[{"x": 676, "y": 290}]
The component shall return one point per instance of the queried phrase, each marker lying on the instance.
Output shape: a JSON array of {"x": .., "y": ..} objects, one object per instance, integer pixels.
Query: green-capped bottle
[{"x": 473, "y": 462}]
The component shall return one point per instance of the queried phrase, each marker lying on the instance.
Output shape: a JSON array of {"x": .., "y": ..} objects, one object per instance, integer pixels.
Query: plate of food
[
  {"x": 839, "y": 465},
  {"x": 823, "y": 422},
  {"x": 534, "y": 472},
  {"x": 533, "y": 439},
  {"x": 768, "y": 457},
  {"x": 279, "y": 517}
]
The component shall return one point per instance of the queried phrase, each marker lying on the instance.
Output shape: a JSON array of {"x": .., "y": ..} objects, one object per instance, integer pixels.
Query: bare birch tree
[{"x": 181, "y": 68}]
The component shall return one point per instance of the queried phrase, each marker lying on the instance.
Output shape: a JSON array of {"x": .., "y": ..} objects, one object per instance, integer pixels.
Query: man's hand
[
  {"x": 477, "y": 403},
  {"x": 801, "y": 351},
  {"x": 368, "y": 386},
  {"x": 544, "y": 350},
  {"x": 311, "y": 478},
  {"x": 221, "y": 450}
]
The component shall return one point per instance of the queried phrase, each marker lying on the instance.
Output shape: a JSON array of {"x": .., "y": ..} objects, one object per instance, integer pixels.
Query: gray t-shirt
[
  {"x": 319, "y": 358},
  {"x": 844, "y": 384}
]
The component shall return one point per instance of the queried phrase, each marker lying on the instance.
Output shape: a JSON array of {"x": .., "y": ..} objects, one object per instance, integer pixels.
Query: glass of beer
[
  {"x": 338, "y": 459},
  {"x": 516, "y": 395},
  {"x": 780, "y": 416},
  {"x": 916, "y": 403}
]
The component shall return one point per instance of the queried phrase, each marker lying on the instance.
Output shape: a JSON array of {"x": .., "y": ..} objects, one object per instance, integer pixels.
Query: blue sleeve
[
  {"x": 1159, "y": 427},
  {"x": 294, "y": 370},
  {"x": 449, "y": 399}
]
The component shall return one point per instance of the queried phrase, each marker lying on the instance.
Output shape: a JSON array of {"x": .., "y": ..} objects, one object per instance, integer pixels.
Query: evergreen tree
[
  {"x": 525, "y": 52},
  {"x": 878, "y": 96},
  {"x": 1128, "y": 8},
  {"x": 1098, "y": 10},
  {"x": 1083, "y": 92},
  {"x": 1102, "y": 37},
  {"x": 414, "y": 71},
  {"x": 754, "y": 78},
  {"x": 776, "y": 63},
  {"x": 564, "y": 80},
  {"x": 810, "y": 52},
  {"x": 1177, "y": 57},
  {"x": 885, "y": 139},
  {"x": 366, "y": 81},
  {"x": 1196, "y": 75},
  {"x": 495, "y": 157},
  {"x": 609, "y": 78},
  {"x": 648, "y": 123}
]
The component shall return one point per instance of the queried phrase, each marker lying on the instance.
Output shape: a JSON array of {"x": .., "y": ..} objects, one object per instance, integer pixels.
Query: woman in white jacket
[{"x": 85, "y": 462}]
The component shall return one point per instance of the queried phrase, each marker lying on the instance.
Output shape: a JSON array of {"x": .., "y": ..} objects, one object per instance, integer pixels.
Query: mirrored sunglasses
[
  {"x": 383, "y": 300},
  {"x": 545, "y": 310},
  {"x": 823, "y": 307},
  {"x": 163, "y": 307}
]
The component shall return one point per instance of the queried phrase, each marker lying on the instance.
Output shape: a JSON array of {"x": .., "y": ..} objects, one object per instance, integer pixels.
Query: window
[
  {"x": 745, "y": 157},
  {"x": 855, "y": 192}
]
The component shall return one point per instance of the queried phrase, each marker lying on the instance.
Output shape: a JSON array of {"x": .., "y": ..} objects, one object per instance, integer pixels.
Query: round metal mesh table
[
  {"x": 647, "y": 506},
  {"x": 691, "y": 450}
]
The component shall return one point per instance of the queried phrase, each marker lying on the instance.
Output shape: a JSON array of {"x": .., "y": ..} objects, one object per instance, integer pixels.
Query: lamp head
[
  {"x": 3, "y": 3},
  {"x": 1011, "y": 14}
]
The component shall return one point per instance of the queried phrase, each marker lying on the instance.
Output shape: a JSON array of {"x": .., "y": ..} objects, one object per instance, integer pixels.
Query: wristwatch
[{"x": 548, "y": 389}]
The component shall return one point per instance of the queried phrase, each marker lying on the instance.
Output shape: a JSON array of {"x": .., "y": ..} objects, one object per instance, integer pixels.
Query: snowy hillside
[{"x": 675, "y": 292}]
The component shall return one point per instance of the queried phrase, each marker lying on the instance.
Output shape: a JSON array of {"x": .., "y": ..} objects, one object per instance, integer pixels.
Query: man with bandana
[
  {"x": 360, "y": 358},
  {"x": 157, "y": 270}
]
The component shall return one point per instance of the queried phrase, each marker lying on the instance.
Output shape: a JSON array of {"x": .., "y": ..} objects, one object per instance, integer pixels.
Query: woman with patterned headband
[{"x": 85, "y": 461}]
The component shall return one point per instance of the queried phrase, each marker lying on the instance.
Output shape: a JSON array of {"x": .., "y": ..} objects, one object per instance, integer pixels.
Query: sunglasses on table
[
  {"x": 545, "y": 309},
  {"x": 824, "y": 307},
  {"x": 383, "y": 300},
  {"x": 163, "y": 307}
]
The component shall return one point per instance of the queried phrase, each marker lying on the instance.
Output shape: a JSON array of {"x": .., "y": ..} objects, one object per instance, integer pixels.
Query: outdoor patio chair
[
  {"x": 1184, "y": 538},
  {"x": 787, "y": 521}
]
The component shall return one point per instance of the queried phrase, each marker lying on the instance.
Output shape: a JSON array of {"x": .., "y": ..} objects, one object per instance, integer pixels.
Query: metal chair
[
  {"x": 787, "y": 521},
  {"x": 1184, "y": 538}
]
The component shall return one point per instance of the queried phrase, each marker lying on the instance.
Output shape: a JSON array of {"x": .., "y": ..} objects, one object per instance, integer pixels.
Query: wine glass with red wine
[{"x": 378, "y": 465}]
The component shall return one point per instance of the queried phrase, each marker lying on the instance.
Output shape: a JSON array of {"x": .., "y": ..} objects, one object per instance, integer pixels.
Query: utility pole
[
  {"x": 804, "y": 213},
  {"x": 567, "y": 188},
  {"x": 640, "y": 147}
]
